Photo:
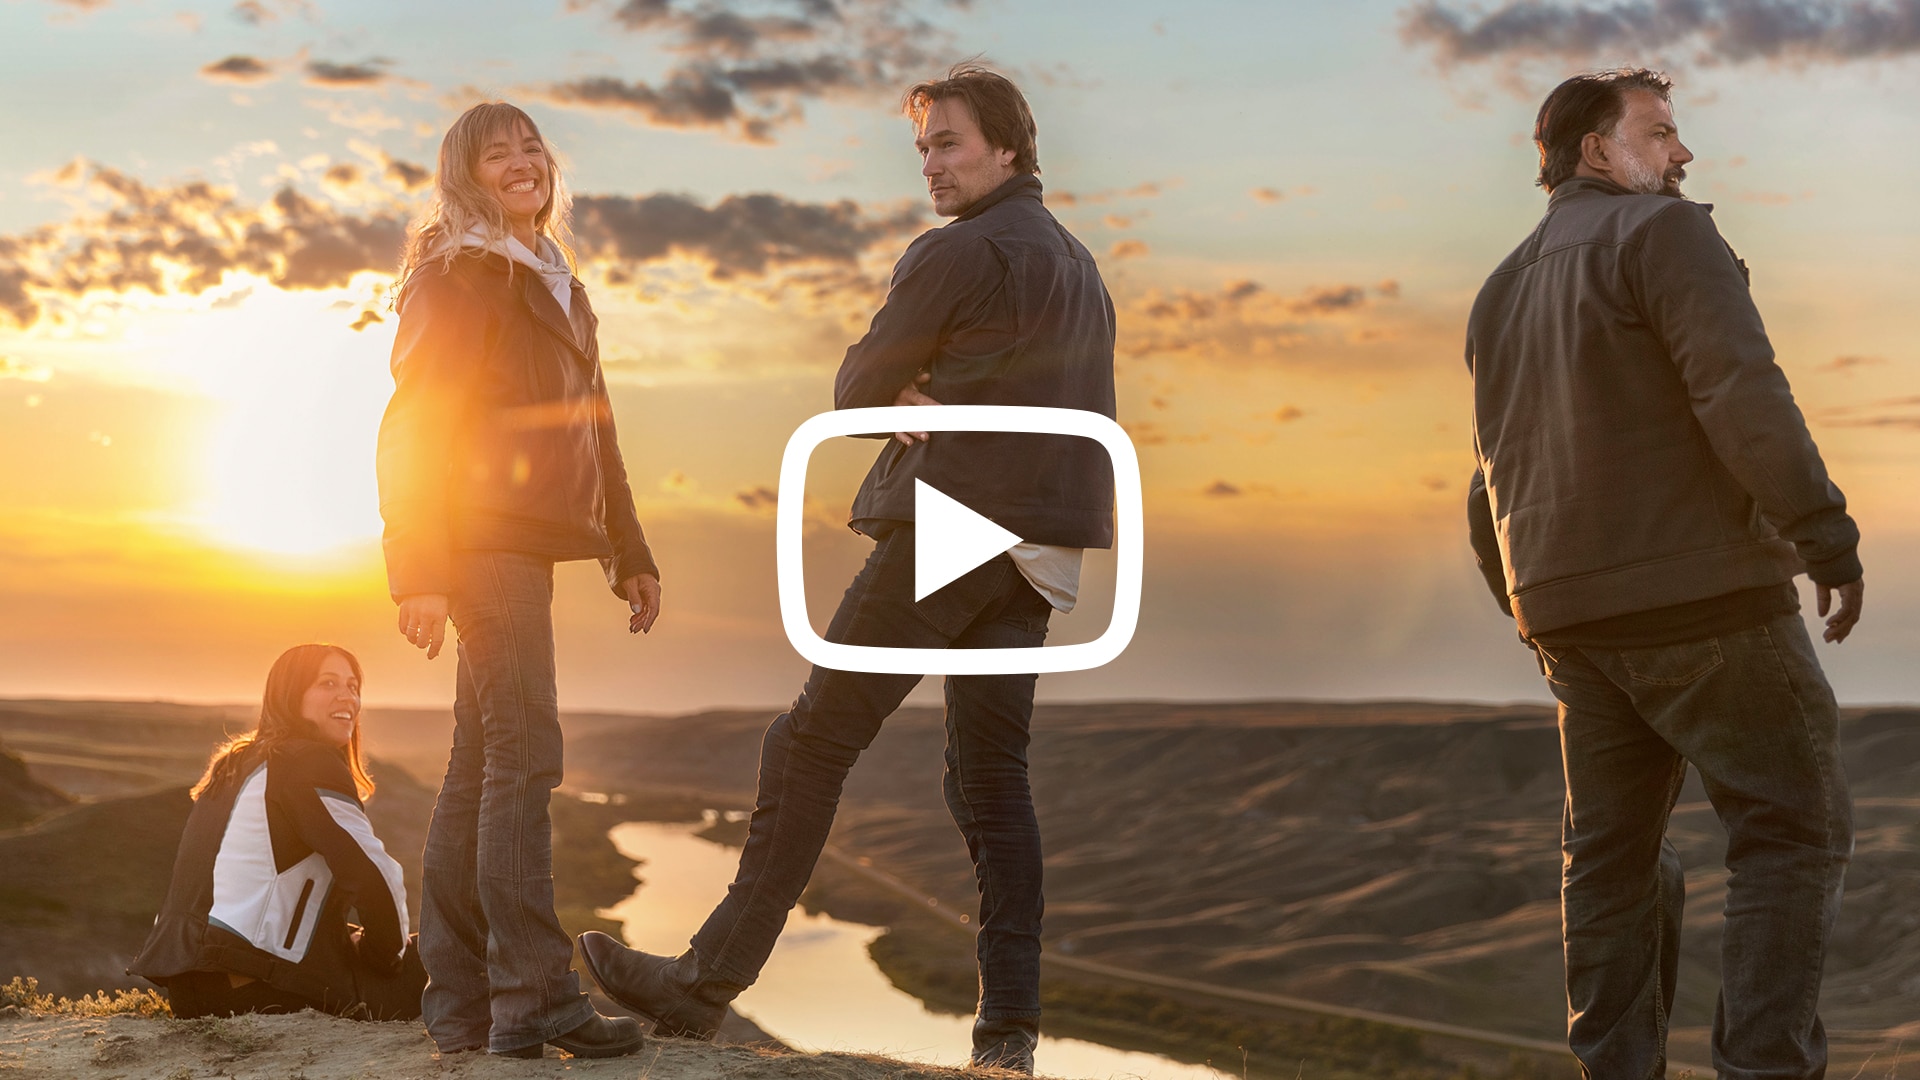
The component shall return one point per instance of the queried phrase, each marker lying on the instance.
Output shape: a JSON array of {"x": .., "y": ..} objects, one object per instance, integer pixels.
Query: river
[{"x": 820, "y": 989}]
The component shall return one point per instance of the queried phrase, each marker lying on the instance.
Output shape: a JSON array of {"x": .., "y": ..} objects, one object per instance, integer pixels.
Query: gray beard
[{"x": 1642, "y": 178}]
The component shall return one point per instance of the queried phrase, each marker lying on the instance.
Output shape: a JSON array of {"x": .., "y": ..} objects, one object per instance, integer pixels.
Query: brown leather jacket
[{"x": 499, "y": 435}]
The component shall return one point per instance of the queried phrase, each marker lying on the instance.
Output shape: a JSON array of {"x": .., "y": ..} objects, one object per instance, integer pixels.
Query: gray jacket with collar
[{"x": 1637, "y": 446}]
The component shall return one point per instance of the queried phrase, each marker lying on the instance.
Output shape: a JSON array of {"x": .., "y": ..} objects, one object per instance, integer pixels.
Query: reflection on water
[{"x": 820, "y": 990}]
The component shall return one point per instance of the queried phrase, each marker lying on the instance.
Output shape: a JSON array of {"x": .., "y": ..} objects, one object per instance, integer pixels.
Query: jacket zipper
[{"x": 299, "y": 910}]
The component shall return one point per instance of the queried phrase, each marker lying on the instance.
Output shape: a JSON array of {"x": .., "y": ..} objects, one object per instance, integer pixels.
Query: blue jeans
[
  {"x": 1754, "y": 715},
  {"x": 809, "y": 749},
  {"x": 499, "y": 967}
]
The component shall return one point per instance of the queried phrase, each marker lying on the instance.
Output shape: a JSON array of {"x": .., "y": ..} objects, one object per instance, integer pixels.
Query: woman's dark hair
[
  {"x": 1586, "y": 104},
  {"x": 280, "y": 719},
  {"x": 996, "y": 104}
]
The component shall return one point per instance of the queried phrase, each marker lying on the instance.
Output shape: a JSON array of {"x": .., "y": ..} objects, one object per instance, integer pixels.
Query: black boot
[
  {"x": 1006, "y": 1044},
  {"x": 672, "y": 992},
  {"x": 600, "y": 1037}
]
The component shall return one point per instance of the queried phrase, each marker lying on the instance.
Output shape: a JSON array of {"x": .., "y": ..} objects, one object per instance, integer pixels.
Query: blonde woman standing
[{"x": 498, "y": 459}]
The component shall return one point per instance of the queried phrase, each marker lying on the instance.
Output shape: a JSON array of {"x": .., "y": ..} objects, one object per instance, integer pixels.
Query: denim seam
[
  {"x": 719, "y": 965},
  {"x": 1661, "y": 1020},
  {"x": 983, "y": 864},
  {"x": 1810, "y": 1004}
]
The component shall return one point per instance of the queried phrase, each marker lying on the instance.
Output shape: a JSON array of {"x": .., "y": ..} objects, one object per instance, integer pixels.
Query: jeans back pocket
[{"x": 1673, "y": 665}]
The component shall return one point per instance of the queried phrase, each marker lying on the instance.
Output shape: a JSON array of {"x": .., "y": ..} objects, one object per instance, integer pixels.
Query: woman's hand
[
  {"x": 643, "y": 597},
  {"x": 423, "y": 621}
]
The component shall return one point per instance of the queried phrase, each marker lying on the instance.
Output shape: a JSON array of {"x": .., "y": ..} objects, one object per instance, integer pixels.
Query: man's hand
[
  {"x": 423, "y": 621},
  {"x": 1840, "y": 623},
  {"x": 910, "y": 395},
  {"x": 643, "y": 597}
]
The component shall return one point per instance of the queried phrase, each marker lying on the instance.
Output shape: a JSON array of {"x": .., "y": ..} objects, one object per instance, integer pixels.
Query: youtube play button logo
[{"x": 951, "y": 539}]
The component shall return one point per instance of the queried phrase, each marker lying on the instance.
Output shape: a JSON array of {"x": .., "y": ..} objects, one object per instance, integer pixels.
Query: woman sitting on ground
[{"x": 277, "y": 851}]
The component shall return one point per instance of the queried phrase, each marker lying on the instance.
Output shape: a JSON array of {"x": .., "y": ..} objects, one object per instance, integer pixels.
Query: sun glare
[{"x": 289, "y": 463}]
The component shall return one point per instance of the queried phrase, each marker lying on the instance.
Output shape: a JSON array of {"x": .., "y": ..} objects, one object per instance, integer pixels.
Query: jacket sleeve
[
  {"x": 1696, "y": 296},
  {"x": 313, "y": 785},
  {"x": 935, "y": 284},
  {"x": 441, "y": 339},
  {"x": 631, "y": 555},
  {"x": 1486, "y": 541}
]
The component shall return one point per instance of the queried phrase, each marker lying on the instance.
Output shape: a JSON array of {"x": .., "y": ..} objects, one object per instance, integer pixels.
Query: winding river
[{"x": 820, "y": 990}]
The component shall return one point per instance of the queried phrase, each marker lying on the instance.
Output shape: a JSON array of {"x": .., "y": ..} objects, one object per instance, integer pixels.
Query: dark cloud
[
  {"x": 759, "y": 498},
  {"x": 185, "y": 238},
  {"x": 749, "y": 73},
  {"x": 1241, "y": 320},
  {"x": 741, "y": 235},
  {"x": 408, "y": 175},
  {"x": 367, "y": 318},
  {"x": 1221, "y": 489},
  {"x": 1848, "y": 363},
  {"x": 689, "y": 99},
  {"x": 259, "y": 13},
  {"x": 348, "y": 76},
  {"x": 1900, "y": 412},
  {"x": 1710, "y": 31},
  {"x": 240, "y": 69}
]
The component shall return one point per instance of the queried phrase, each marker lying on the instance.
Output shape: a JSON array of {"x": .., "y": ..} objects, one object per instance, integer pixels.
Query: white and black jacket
[{"x": 276, "y": 851}]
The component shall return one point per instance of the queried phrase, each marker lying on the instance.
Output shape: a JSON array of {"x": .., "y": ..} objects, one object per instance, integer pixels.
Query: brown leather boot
[
  {"x": 600, "y": 1037},
  {"x": 1005, "y": 1044},
  {"x": 681, "y": 1001}
]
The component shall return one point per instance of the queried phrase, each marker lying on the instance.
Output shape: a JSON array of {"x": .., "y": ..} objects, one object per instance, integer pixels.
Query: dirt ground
[{"x": 311, "y": 1046}]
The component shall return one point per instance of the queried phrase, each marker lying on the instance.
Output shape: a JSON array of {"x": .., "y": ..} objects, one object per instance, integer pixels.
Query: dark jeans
[
  {"x": 1753, "y": 713},
  {"x": 380, "y": 995},
  {"x": 500, "y": 967},
  {"x": 808, "y": 751}
]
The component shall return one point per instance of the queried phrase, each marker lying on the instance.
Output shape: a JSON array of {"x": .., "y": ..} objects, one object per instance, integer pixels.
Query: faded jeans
[
  {"x": 499, "y": 967},
  {"x": 1752, "y": 712},
  {"x": 808, "y": 751}
]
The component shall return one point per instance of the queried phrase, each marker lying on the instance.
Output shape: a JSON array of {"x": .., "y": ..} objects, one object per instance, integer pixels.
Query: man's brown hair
[
  {"x": 997, "y": 106},
  {"x": 1592, "y": 103}
]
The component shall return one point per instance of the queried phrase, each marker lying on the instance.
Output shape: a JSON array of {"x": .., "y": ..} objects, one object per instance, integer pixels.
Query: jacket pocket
[{"x": 1672, "y": 665}]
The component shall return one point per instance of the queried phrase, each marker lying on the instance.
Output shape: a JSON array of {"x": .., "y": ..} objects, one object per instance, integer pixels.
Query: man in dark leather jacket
[
  {"x": 1000, "y": 307},
  {"x": 1646, "y": 492}
]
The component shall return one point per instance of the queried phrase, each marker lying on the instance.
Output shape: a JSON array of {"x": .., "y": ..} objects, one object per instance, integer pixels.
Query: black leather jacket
[
  {"x": 1004, "y": 307},
  {"x": 499, "y": 435}
]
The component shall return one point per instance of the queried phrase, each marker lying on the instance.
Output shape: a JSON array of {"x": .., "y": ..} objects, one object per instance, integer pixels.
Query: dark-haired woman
[
  {"x": 277, "y": 854},
  {"x": 498, "y": 459}
]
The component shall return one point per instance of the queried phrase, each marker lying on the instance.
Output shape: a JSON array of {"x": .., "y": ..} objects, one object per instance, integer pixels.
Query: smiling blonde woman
[{"x": 497, "y": 459}]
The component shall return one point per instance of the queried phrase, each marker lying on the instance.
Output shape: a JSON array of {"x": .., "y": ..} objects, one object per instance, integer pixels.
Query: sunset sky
[{"x": 1293, "y": 206}]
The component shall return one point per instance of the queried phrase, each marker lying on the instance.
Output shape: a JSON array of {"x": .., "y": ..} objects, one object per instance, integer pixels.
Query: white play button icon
[{"x": 949, "y": 539}]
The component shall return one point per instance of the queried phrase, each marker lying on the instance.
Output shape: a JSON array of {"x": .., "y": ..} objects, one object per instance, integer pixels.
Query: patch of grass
[
  {"x": 25, "y": 995},
  {"x": 238, "y": 1035}
]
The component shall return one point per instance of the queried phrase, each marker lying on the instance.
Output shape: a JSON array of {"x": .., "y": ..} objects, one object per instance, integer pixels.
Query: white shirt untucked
[{"x": 1053, "y": 571}]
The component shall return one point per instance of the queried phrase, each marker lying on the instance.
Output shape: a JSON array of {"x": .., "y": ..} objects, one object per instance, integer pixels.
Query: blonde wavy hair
[{"x": 459, "y": 202}]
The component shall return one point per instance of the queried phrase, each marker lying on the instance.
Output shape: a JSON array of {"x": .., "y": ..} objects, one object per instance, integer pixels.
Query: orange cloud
[{"x": 1242, "y": 319}]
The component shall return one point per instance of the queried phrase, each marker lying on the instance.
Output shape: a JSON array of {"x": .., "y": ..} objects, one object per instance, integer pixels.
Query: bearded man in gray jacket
[{"x": 1646, "y": 492}]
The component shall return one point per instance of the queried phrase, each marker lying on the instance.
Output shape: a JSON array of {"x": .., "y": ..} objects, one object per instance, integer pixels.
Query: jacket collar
[
  {"x": 1025, "y": 185},
  {"x": 539, "y": 302},
  {"x": 1580, "y": 187}
]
